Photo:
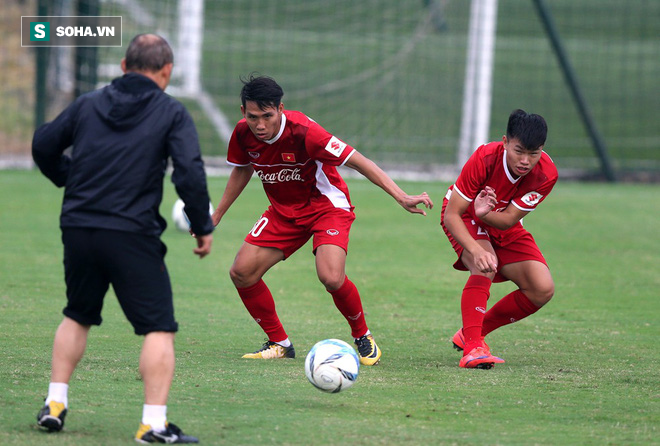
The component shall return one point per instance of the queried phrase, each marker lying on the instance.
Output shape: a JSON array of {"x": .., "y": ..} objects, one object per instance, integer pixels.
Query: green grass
[{"x": 584, "y": 370}]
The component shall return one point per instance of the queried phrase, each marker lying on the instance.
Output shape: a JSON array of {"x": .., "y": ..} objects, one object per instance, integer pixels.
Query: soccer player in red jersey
[
  {"x": 482, "y": 217},
  {"x": 296, "y": 160}
]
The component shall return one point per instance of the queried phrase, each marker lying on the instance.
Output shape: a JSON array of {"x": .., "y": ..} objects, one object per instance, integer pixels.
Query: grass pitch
[{"x": 583, "y": 370}]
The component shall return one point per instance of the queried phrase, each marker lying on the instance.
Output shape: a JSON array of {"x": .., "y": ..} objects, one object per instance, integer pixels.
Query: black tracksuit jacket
[{"x": 121, "y": 138}]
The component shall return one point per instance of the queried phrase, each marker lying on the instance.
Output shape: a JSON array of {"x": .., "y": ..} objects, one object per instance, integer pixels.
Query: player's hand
[
  {"x": 485, "y": 261},
  {"x": 410, "y": 202},
  {"x": 203, "y": 245},
  {"x": 485, "y": 202}
]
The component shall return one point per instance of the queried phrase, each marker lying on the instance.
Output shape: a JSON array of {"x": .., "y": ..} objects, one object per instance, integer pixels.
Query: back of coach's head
[{"x": 150, "y": 55}]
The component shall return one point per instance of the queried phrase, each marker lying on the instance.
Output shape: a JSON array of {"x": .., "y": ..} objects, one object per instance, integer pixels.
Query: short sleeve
[
  {"x": 531, "y": 194},
  {"x": 473, "y": 176},
  {"x": 325, "y": 147},
  {"x": 236, "y": 156},
  {"x": 531, "y": 199}
]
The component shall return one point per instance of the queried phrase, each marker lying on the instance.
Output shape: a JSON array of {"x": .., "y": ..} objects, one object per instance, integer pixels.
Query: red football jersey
[
  {"x": 487, "y": 167},
  {"x": 297, "y": 167}
]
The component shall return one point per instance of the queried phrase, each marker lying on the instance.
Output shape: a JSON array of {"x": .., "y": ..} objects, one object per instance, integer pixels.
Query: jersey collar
[
  {"x": 276, "y": 137},
  {"x": 507, "y": 171}
]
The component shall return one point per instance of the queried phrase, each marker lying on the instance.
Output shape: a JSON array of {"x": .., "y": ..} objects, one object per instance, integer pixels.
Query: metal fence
[{"x": 387, "y": 76}]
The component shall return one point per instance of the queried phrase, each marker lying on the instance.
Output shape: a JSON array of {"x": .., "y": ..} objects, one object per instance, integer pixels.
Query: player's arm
[
  {"x": 238, "y": 179},
  {"x": 376, "y": 175},
  {"x": 188, "y": 174},
  {"x": 48, "y": 144},
  {"x": 518, "y": 208},
  {"x": 453, "y": 219},
  {"x": 504, "y": 219}
]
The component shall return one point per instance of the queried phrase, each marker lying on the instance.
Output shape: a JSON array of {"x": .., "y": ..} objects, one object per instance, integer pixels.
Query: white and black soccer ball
[
  {"x": 179, "y": 217},
  {"x": 332, "y": 365}
]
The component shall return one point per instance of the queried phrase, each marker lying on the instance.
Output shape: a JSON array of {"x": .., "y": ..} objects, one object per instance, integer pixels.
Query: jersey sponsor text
[{"x": 281, "y": 176}]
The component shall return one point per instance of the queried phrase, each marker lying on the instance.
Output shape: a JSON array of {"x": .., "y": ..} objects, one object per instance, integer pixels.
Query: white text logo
[{"x": 283, "y": 176}]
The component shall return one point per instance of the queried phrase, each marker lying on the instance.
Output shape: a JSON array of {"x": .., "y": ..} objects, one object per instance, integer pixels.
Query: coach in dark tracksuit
[{"x": 121, "y": 138}]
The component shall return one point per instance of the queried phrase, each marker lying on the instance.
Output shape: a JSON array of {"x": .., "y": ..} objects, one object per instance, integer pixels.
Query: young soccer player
[
  {"x": 296, "y": 160},
  {"x": 482, "y": 217}
]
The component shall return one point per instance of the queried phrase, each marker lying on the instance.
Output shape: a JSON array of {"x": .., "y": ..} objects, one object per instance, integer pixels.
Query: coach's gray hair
[{"x": 148, "y": 52}]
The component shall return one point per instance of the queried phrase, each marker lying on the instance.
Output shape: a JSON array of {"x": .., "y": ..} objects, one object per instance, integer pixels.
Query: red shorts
[
  {"x": 328, "y": 228},
  {"x": 519, "y": 248}
]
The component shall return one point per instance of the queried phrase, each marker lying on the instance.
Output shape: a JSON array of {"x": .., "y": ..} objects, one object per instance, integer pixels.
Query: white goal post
[
  {"x": 189, "y": 54},
  {"x": 477, "y": 93},
  {"x": 189, "y": 45}
]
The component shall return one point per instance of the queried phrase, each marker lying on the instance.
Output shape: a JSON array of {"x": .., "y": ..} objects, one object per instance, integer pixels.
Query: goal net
[{"x": 413, "y": 84}]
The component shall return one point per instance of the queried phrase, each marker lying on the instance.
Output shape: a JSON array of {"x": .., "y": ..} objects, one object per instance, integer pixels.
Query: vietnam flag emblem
[{"x": 289, "y": 157}]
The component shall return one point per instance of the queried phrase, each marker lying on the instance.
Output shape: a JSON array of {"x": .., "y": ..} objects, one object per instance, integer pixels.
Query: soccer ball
[
  {"x": 332, "y": 365},
  {"x": 180, "y": 218}
]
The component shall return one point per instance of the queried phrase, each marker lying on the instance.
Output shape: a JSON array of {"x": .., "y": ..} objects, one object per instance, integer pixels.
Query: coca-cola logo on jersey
[{"x": 282, "y": 176}]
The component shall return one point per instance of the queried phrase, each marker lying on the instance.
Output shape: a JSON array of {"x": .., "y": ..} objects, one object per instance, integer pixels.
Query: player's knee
[
  {"x": 332, "y": 282},
  {"x": 240, "y": 277},
  {"x": 543, "y": 295}
]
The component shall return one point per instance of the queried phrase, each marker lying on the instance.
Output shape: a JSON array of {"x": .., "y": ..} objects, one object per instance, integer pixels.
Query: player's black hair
[
  {"x": 530, "y": 129},
  {"x": 148, "y": 52},
  {"x": 261, "y": 89}
]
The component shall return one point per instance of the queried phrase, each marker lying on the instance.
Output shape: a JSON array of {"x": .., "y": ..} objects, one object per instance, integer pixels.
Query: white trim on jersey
[
  {"x": 349, "y": 155},
  {"x": 336, "y": 196},
  {"x": 280, "y": 165},
  {"x": 522, "y": 208},
  {"x": 506, "y": 169},
  {"x": 282, "y": 125},
  {"x": 237, "y": 165},
  {"x": 462, "y": 194}
]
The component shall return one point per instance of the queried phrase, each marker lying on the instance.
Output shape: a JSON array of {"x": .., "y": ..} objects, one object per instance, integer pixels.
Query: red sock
[
  {"x": 261, "y": 306},
  {"x": 347, "y": 300},
  {"x": 511, "y": 308},
  {"x": 473, "y": 308}
]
